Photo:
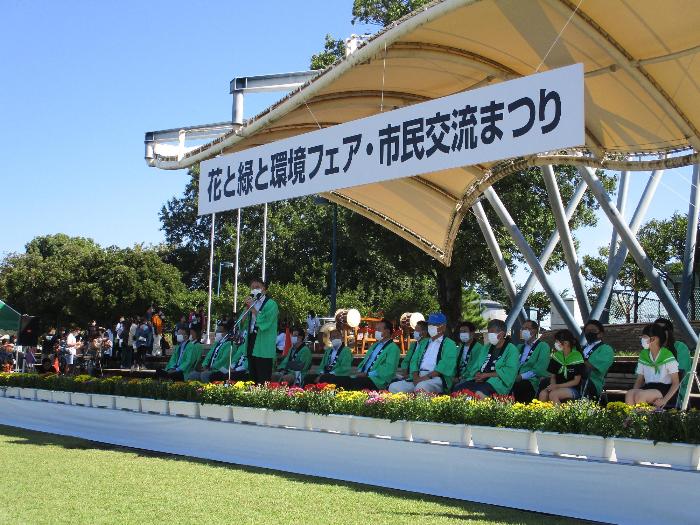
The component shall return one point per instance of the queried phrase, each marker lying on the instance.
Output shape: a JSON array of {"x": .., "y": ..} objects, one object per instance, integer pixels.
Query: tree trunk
[
  {"x": 449, "y": 285},
  {"x": 636, "y": 305}
]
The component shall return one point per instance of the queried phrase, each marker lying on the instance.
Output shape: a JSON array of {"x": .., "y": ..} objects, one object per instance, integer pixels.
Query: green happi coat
[
  {"x": 303, "y": 354},
  {"x": 343, "y": 362},
  {"x": 221, "y": 360},
  {"x": 475, "y": 360},
  {"x": 191, "y": 354},
  {"x": 384, "y": 367},
  {"x": 507, "y": 366},
  {"x": 684, "y": 364},
  {"x": 537, "y": 362},
  {"x": 266, "y": 325},
  {"x": 446, "y": 361},
  {"x": 664, "y": 356},
  {"x": 601, "y": 359},
  {"x": 241, "y": 352},
  {"x": 406, "y": 361}
]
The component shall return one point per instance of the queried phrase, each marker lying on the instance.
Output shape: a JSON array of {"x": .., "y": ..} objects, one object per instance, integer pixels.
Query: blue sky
[{"x": 83, "y": 80}]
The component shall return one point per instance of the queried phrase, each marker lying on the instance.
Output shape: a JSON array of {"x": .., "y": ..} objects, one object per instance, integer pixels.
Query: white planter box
[
  {"x": 331, "y": 423},
  {"x": 381, "y": 427},
  {"x": 679, "y": 455},
  {"x": 127, "y": 403},
  {"x": 154, "y": 406},
  {"x": 43, "y": 395},
  {"x": 440, "y": 432},
  {"x": 286, "y": 418},
  {"x": 60, "y": 397},
  {"x": 592, "y": 447},
  {"x": 103, "y": 401},
  {"x": 79, "y": 398},
  {"x": 183, "y": 408},
  {"x": 257, "y": 416},
  {"x": 27, "y": 393},
  {"x": 220, "y": 412},
  {"x": 12, "y": 391},
  {"x": 515, "y": 439}
]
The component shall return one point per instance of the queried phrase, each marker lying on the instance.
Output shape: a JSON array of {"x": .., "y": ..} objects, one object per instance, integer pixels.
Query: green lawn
[{"x": 55, "y": 479}]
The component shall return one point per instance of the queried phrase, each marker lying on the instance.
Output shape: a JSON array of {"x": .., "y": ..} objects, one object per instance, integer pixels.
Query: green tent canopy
[{"x": 9, "y": 317}]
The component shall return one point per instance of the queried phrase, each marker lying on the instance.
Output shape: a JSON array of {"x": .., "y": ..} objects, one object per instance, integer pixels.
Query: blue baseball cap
[{"x": 437, "y": 318}]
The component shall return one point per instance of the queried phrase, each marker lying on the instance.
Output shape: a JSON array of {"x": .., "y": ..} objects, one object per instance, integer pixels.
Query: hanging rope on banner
[
  {"x": 571, "y": 16},
  {"x": 381, "y": 104},
  {"x": 312, "y": 115}
]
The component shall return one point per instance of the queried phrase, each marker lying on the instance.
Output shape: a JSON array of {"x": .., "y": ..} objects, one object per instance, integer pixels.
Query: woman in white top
[{"x": 657, "y": 370}]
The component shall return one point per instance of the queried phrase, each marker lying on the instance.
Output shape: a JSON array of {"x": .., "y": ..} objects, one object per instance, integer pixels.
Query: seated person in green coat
[
  {"x": 682, "y": 354},
  {"x": 433, "y": 364},
  {"x": 534, "y": 360},
  {"x": 378, "y": 367},
  {"x": 185, "y": 356},
  {"x": 420, "y": 336},
  {"x": 296, "y": 363},
  {"x": 469, "y": 353},
  {"x": 336, "y": 361},
  {"x": 215, "y": 365},
  {"x": 599, "y": 358},
  {"x": 657, "y": 370},
  {"x": 498, "y": 365},
  {"x": 566, "y": 368}
]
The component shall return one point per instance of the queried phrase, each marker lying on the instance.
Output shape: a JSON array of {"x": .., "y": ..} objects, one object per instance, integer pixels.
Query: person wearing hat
[
  {"x": 534, "y": 361},
  {"x": 433, "y": 363},
  {"x": 499, "y": 365},
  {"x": 215, "y": 364},
  {"x": 377, "y": 368},
  {"x": 186, "y": 355},
  {"x": 336, "y": 361}
]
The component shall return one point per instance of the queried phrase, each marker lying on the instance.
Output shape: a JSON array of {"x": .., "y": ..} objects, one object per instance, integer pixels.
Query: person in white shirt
[
  {"x": 432, "y": 367},
  {"x": 71, "y": 348},
  {"x": 657, "y": 370}
]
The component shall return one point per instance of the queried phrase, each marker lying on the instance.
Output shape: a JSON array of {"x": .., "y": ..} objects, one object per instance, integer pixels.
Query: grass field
[{"x": 54, "y": 479}]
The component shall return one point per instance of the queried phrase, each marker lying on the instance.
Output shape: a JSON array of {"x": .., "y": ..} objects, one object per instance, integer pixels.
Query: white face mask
[
  {"x": 416, "y": 335},
  {"x": 336, "y": 343},
  {"x": 191, "y": 338},
  {"x": 180, "y": 338},
  {"x": 294, "y": 339},
  {"x": 218, "y": 336},
  {"x": 464, "y": 336},
  {"x": 378, "y": 335},
  {"x": 432, "y": 330},
  {"x": 557, "y": 346},
  {"x": 493, "y": 338},
  {"x": 645, "y": 343},
  {"x": 525, "y": 334},
  {"x": 255, "y": 292}
]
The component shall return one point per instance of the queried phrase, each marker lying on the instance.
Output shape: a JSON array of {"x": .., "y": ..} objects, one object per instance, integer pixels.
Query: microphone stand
[{"x": 236, "y": 337}]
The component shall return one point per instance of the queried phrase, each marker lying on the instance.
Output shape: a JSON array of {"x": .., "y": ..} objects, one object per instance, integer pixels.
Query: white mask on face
[
  {"x": 493, "y": 338},
  {"x": 180, "y": 338},
  {"x": 218, "y": 336},
  {"x": 255, "y": 292},
  {"x": 191, "y": 338},
  {"x": 525, "y": 334},
  {"x": 645, "y": 343},
  {"x": 432, "y": 330},
  {"x": 378, "y": 335},
  {"x": 557, "y": 346},
  {"x": 336, "y": 343},
  {"x": 416, "y": 335},
  {"x": 294, "y": 339},
  {"x": 464, "y": 336}
]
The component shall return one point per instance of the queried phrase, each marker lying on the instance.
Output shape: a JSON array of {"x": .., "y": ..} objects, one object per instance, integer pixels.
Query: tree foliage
[
  {"x": 383, "y": 12},
  {"x": 333, "y": 50}
]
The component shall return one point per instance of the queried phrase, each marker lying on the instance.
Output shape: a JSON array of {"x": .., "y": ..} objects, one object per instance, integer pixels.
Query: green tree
[
  {"x": 383, "y": 12},
  {"x": 333, "y": 50}
]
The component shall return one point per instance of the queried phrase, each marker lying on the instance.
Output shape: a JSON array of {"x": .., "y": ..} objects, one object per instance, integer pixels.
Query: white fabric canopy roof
[{"x": 642, "y": 90}]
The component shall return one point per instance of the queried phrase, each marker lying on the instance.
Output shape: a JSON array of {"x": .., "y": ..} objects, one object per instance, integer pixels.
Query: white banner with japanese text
[{"x": 533, "y": 114}]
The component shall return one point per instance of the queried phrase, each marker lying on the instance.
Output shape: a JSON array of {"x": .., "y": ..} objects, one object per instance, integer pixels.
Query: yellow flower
[{"x": 440, "y": 399}]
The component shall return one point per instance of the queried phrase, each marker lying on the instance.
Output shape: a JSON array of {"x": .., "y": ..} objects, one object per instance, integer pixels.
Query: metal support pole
[
  {"x": 567, "y": 241},
  {"x": 334, "y": 252},
  {"x": 496, "y": 253},
  {"x": 238, "y": 107},
  {"x": 238, "y": 250},
  {"x": 264, "y": 248},
  {"x": 531, "y": 259},
  {"x": 621, "y": 253},
  {"x": 524, "y": 292},
  {"x": 637, "y": 252},
  {"x": 211, "y": 272},
  {"x": 622, "y": 190},
  {"x": 218, "y": 284},
  {"x": 691, "y": 237}
]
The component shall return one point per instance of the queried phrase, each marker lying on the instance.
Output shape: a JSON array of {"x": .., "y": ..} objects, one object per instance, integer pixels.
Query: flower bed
[{"x": 617, "y": 420}]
